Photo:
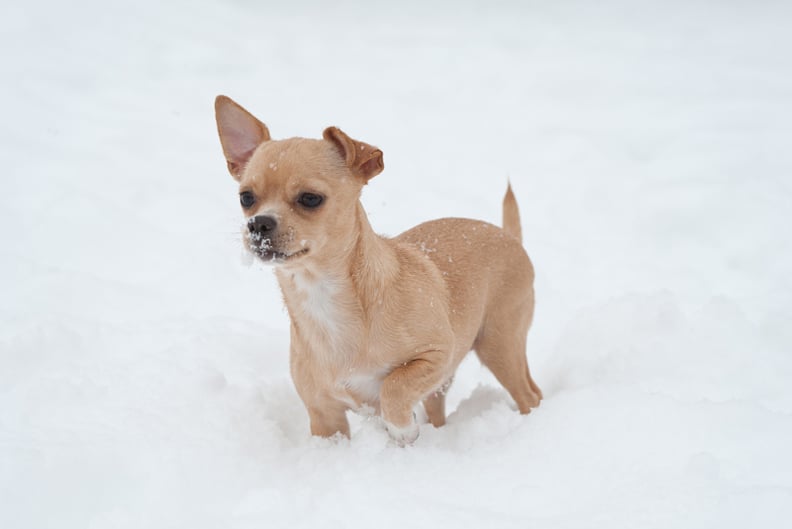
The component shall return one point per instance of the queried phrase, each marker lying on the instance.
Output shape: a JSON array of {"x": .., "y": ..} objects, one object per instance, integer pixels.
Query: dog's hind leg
[
  {"x": 502, "y": 350},
  {"x": 434, "y": 405}
]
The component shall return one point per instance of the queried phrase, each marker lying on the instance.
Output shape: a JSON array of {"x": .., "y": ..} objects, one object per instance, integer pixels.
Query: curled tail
[{"x": 511, "y": 215}]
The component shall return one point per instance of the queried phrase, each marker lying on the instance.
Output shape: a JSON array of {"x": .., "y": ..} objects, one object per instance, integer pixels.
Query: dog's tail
[{"x": 511, "y": 215}]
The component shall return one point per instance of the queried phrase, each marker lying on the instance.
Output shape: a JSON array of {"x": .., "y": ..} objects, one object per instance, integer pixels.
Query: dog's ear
[
  {"x": 363, "y": 159},
  {"x": 240, "y": 133}
]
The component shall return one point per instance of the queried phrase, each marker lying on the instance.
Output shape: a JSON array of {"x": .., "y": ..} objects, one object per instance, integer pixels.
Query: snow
[{"x": 145, "y": 378}]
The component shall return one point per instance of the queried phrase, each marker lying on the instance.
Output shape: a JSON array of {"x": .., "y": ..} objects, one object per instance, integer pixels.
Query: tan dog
[{"x": 377, "y": 324}]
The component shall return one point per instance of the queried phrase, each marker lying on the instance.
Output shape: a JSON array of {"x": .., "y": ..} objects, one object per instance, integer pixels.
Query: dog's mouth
[
  {"x": 264, "y": 250},
  {"x": 271, "y": 256}
]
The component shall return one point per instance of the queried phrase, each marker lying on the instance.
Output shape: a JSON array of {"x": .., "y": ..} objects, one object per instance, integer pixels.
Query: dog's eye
[
  {"x": 310, "y": 200},
  {"x": 247, "y": 199}
]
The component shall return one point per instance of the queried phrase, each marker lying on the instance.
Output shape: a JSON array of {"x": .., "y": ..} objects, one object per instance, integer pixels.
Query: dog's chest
[
  {"x": 323, "y": 314},
  {"x": 333, "y": 341},
  {"x": 319, "y": 301}
]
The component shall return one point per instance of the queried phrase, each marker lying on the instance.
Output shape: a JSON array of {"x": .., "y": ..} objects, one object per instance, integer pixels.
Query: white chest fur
[
  {"x": 319, "y": 301},
  {"x": 324, "y": 313}
]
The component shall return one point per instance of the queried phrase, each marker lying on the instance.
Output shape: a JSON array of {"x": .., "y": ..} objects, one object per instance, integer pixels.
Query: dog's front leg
[
  {"x": 328, "y": 420},
  {"x": 327, "y": 415},
  {"x": 405, "y": 386}
]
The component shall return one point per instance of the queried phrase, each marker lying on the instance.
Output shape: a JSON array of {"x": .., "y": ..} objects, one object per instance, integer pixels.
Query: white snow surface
[{"x": 144, "y": 370}]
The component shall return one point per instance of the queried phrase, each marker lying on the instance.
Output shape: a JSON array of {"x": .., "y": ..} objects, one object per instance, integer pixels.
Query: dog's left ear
[{"x": 363, "y": 159}]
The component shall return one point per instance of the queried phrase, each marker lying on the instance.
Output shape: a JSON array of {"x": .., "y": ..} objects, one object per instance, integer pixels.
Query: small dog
[{"x": 377, "y": 324}]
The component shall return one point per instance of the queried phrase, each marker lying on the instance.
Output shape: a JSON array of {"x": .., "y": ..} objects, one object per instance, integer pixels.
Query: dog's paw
[{"x": 403, "y": 435}]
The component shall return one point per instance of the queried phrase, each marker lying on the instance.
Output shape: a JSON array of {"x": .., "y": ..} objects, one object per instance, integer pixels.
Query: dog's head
[{"x": 298, "y": 195}]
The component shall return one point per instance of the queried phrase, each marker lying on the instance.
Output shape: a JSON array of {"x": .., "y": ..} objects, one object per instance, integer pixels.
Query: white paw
[{"x": 403, "y": 435}]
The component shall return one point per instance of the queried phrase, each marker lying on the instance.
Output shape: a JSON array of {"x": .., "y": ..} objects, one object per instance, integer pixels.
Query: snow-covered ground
[{"x": 143, "y": 366}]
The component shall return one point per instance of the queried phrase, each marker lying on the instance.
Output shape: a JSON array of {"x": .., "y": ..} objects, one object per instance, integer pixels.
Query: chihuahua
[{"x": 378, "y": 324}]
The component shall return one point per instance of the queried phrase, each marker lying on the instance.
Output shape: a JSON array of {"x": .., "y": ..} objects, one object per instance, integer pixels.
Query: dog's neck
[{"x": 373, "y": 265}]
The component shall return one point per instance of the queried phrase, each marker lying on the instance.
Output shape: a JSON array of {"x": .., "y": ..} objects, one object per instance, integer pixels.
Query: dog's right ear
[{"x": 240, "y": 133}]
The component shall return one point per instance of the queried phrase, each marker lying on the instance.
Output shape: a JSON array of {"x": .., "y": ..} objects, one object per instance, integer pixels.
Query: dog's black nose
[{"x": 262, "y": 224}]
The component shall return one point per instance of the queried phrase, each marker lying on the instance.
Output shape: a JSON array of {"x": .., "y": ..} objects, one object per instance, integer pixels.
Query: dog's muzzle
[{"x": 262, "y": 234}]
